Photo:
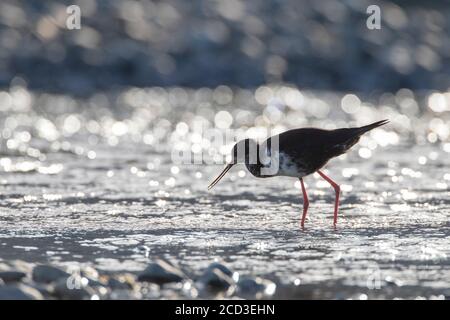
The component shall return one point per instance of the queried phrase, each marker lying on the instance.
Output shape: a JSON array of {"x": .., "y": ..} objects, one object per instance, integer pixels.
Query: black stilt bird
[{"x": 297, "y": 153}]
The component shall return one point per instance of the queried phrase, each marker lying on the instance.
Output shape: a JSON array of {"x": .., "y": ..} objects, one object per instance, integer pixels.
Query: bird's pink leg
[
  {"x": 305, "y": 203},
  {"x": 337, "y": 189}
]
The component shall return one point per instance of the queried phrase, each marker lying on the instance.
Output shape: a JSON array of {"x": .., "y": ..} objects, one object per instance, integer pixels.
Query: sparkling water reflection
[{"x": 92, "y": 180}]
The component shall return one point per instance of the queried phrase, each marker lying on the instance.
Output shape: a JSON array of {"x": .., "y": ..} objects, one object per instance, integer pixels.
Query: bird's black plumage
[{"x": 309, "y": 149}]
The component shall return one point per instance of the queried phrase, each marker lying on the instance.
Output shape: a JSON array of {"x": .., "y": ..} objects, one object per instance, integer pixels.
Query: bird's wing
[{"x": 310, "y": 148}]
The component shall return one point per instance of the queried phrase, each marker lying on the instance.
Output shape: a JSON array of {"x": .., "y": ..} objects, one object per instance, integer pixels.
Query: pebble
[
  {"x": 50, "y": 282},
  {"x": 44, "y": 289},
  {"x": 21, "y": 292},
  {"x": 218, "y": 277},
  {"x": 121, "y": 282},
  {"x": 48, "y": 274},
  {"x": 12, "y": 276},
  {"x": 74, "y": 288},
  {"x": 161, "y": 272},
  {"x": 125, "y": 295},
  {"x": 216, "y": 280},
  {"x": 256, "y": 288},
  {"x": 221, "y": 267},
  {"x": 89, "y": 272}
]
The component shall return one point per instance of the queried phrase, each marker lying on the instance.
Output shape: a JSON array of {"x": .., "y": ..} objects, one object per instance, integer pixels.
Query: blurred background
[
  {"x": 90, "y": 120},
  {"x": 313, "y": 44}
]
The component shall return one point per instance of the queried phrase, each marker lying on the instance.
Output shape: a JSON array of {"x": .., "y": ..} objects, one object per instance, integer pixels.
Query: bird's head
[{"x": 244, "y": 151}]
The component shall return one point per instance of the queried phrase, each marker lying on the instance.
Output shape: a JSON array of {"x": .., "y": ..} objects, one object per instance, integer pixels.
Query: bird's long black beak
[{"x": 225, "y": 170}]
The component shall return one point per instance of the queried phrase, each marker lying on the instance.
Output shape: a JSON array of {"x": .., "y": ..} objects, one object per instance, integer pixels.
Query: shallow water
[{"x": 92, "y": 181}]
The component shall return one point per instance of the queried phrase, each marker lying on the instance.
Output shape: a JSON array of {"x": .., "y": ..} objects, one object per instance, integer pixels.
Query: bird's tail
[
  {"x": 348, "y": 137},
  {"x": 364, "y": 129}
]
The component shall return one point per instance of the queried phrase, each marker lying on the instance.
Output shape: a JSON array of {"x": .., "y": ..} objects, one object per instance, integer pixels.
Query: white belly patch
[{"x": 286, "y": 167}]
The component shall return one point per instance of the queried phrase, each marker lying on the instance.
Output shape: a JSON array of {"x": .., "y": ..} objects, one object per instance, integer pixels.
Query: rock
[
  {"x": 12, "y": 276},
  {"x": 153, "y": 291},
  {"x": 44, "y": 289},
  {"x": 48, "y": 274},
  {"x": 255, "y": 288},
  {"x": 121, "y": 282},
  {"x": 89, "y": 272},
  {"x": 224, "y": 269},
  {"x": 218, "y": 277},
  {"x": 221, "y": 267},
  {"x": 189, "y": 291},
  {"x": 216, "y": 280},
  {"x": 20, "y": 292},
  {"x": 4, "y": 267},
  {"x": 22, "y": 266},
  {"x": 123, "y": 287},
  {"x": 125, "y": 295},
  {"x": 74, "y": 288},
  {"x": 161, "y": 272},
  {"x": 95, "y": 283}
]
